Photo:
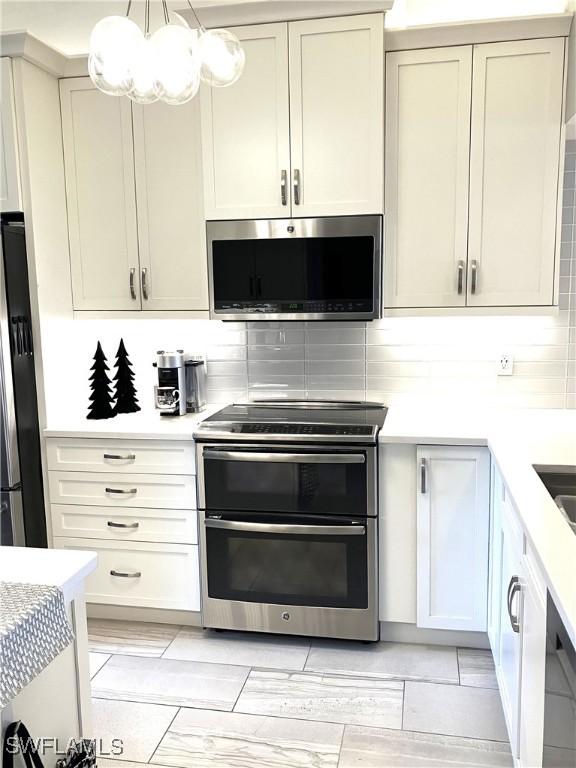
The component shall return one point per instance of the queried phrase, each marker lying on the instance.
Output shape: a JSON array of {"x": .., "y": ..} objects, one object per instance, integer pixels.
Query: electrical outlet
[{"x": 505, "y": 365}]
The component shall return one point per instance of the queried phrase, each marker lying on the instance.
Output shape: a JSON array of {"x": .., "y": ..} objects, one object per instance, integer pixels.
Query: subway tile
[
  {"x": 540, "y": 368},
  {"x": 335, "y": 336},
  {"x": 335, "y": 351},
  {"x": 335, "y": 325},
  {"x": 264, "y": 325},
  {"x": 336, "y": 367},
  {"x": 226, "y": 382},
  {"x": 531, "y": 385},
  {"x": 397, "y": 368},
  {"x": 336, "y": 382},
  {"x": 226, "y": 368},
  {"x": 565, "y": 268},
  {"x": 224, "y": 352},
  {"x": 258, "y": 393},
  {"x": 281, "y": 352},
  {"x": 568, "y": 196},
  {"x": 337, "y": 394},
  {"x": 260, "y": 370},
  {"x": 566, "y": 251},
  {"x": 568, "y": 213},
  {"x": 275, "y": 337},
  {"x": 569, "y": 179},
  {"x": 217, "y": 396},
  {"x": 269, "y": 381},
  {"x": 566, "y": 233}
]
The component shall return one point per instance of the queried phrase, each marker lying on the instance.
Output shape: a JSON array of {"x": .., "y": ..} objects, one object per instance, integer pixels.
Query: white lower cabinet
[
  {"x": 517, "y": 628},
  {"x": 139, "y": 515},
  {"x": 452, "y": 537},
  {"x": 531, "y": 737},
  {"x": 141, "y": 574}
]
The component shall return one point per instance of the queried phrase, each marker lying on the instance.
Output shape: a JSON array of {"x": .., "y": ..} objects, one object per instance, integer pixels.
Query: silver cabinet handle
[
  {"x": 119, "y": 457},
  {"x": 460, "y": 277},
  {"x": 112, "y": 524},
  {"x": 297, "y": 184},
  {"x": 144, "y": 277},
  {"x": 290, "y": 458},
  {"x": 473, "y": 276},
  {"x": 306, "y": 530},
  {"x": 123, "y": 491},
  {"x": 126, "y": 574},
  {"x": 514, "y": 587},
  {"x": 284, "y": 187},
  {"x": 132, "y": 287},
  {"x": 423, "y": 484}
]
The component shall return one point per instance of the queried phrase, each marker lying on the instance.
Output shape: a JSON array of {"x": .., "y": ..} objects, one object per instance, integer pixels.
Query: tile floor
[{"x": 187, "y": 698}]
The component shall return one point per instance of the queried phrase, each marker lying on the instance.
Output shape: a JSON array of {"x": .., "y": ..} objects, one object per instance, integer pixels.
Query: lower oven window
[{"x": 288, "y": 569}]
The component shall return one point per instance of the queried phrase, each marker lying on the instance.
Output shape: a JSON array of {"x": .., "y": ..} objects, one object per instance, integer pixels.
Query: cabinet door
[
  {"x": 508, "y": 665},
  {"x": 533, "y": 665},
  {"x": 514, "y": 163},
  {"x": 245, "y": 132},
  {"x": 9, "y": 167},
  {"x": 171, "y": 228},
  {"x": 452, "y": 537},
  {"x": 99, "y": 165},
  {"x": 427, "y": 160},
  {"x": 497, "y": 491},
  {"x": 336, "y": 115}
]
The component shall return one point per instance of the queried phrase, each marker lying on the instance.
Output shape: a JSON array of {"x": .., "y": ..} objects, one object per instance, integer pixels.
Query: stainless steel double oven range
[{"x": 287, "y": 500}]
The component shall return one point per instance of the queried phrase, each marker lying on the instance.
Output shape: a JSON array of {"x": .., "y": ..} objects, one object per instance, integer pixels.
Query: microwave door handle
[
  {"x": 306, "y": 530},
  {"x": 287, "y": 458}
]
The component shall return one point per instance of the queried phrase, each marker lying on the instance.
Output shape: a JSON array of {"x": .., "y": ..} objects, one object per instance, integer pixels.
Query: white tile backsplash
[{"x": 400, "y": 360}]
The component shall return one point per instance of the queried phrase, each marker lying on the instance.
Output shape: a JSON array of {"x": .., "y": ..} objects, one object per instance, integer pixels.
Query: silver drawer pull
[
  {"x": 123, "y": 491},
  {"x": 112, "y": 524},
  {"x": 119, "y": 457},
  {"x": 126, "y": 574}
]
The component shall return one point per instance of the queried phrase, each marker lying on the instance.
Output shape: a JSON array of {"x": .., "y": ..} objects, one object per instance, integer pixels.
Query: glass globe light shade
[
  {"x": 114, "y": 79},
  {"x": 112, "y": 44},
  {"x": 222, "y": 56},
  {"x": 177, "y": 64},
  {"x": 143, "y": 70}
]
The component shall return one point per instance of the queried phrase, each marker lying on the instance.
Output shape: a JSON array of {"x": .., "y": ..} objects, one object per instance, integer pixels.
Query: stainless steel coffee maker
[{"x": 181, "y": 384}]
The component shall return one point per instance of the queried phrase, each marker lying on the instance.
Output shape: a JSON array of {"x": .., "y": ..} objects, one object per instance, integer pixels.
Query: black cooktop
[{"x": 324, "y": 420}]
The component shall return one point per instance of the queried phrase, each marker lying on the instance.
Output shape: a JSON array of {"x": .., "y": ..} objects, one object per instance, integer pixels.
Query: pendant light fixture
[{"x": 168, "y": 64}]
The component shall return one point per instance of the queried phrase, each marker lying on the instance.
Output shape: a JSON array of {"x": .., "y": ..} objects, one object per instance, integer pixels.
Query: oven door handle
[
  {"x": 289, "y": 458},
  {"x": 312, "y": 530}
]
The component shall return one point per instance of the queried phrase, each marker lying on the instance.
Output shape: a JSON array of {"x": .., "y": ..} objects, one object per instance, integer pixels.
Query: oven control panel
[{"x": 305, "y": 429}]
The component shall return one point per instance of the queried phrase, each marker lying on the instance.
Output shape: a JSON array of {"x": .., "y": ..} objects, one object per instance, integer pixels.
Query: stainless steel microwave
[{"x": 295, "y": 269}]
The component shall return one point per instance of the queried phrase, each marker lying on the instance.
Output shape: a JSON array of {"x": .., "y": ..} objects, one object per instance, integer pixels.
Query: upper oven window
[{"x": 277, "y": 481}]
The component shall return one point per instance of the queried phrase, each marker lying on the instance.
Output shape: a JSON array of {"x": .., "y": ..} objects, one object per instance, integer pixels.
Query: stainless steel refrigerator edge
[
  {"x": 11, "y": 510},
  {"x": 23, "y": 519}
]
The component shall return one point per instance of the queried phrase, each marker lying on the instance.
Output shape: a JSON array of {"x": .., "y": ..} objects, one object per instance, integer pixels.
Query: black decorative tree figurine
[
  {"x": 100, "y": 399},
  {"x": 126, "y": 401}
]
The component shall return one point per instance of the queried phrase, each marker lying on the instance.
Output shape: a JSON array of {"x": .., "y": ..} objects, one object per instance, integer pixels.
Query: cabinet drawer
[
  {"x": 135, "y": 456},
  {"x": 137, "y": 524},
  {"x": 158, "y": 575},
  {"x": 113, "y": 490}
]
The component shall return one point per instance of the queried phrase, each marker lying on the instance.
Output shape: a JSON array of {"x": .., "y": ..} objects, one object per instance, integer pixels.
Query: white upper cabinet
[
  {"x": 453, "y": 505},
  {"x": 171, "y": 231},
  {"x": 135, "y": 202},
  {"x": 99, "y": 164},
  {"x": 246, "y": 140},
  {"x": 302, "y": 131},
  {"x": 427, "y": 159},
  {"x": 9, "y": 167},
  {"x": 472, "y": 166},
  {"x": 337, "y": 115},
  {"x": 516, "y": 120}
]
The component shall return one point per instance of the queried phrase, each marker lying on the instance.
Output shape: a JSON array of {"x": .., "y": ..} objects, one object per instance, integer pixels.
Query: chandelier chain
[{"x": 200, "y": 25}]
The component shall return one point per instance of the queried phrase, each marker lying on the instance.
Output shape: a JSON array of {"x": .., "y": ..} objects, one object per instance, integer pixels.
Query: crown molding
[
  {"x": 26, "y": 46},
  {"x": 280, "y": 10},
  {"x": 480, "y": 31}
]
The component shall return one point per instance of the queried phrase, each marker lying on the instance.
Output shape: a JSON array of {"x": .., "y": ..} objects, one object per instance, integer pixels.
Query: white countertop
[
  {"x": 144, "y": 425},
  {"x": 518, "y": 440},
  {"x": 51, "y": 567}
]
